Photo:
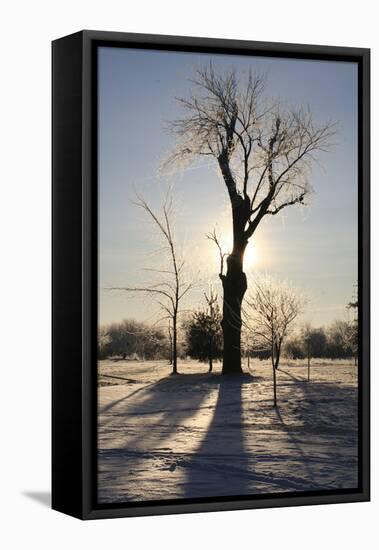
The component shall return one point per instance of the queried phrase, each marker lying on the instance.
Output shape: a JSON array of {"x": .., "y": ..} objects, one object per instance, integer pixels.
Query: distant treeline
[
  {"x": 132, "y": 339},
  {"x": 337, "y": 341},
  {"x": 137, "y": 340}
]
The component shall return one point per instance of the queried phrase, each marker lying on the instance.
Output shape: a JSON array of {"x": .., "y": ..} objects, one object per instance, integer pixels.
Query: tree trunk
[
  {"x": 210, "y": 355},
  {"x": 274, "y": 367},
  {"x": 275, "y": 357},
  {"x": 174, "y": 347},
  {"x": 274, "y": 377},
  {"x": 234, "y": 282},
  {"x": 278, "y": 349},
  {"x": 234, "y": 285},
  {"x": 170, "y": 342}
]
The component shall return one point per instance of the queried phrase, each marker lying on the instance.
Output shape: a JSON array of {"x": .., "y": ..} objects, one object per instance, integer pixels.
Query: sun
[{"x": 251, "y": 257}]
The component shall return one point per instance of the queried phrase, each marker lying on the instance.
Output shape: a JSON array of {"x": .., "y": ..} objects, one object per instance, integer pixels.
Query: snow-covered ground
[{"x": 200, "y": 434}]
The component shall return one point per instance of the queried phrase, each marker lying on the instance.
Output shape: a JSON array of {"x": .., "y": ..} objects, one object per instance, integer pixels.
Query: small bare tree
[
  {"x": 306, "y": 334},
  {"x": 169, "y": 332},
  {"x": 172, "y": 285},
  {"x": 264, "y": 152},
  {"x": 213, "y": 320},
  {"x": 269, "y": 312}
]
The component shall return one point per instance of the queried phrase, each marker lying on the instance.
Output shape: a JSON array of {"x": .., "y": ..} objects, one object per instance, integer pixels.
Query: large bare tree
[
  {"x": 171, "y": 284},
  {"x": 263, "y": 150},
  {"x": 270, "y": 309}
]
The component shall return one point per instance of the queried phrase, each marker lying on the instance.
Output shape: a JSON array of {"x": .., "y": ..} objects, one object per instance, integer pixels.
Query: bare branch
[
  {"x": 264, "y": 150},
  {"x": 216, "y": 239},
  {"x": 270, "y": 309}
]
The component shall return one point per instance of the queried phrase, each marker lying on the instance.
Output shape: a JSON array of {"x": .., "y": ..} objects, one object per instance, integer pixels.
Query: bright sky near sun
[{"x": 314, "y": 247}]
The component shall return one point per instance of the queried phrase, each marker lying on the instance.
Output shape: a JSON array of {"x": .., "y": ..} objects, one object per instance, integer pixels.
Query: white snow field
[{"x": 198, "y": 434}]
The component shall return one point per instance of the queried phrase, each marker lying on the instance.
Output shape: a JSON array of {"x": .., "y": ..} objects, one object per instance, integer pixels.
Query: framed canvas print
[{"x": 210, "y": 274}]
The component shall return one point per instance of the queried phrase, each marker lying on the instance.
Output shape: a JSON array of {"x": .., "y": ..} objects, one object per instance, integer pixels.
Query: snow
[{"x": 198, "y": 434}]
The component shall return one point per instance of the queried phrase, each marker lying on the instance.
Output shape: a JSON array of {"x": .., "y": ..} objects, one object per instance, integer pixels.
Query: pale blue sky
[{"x": 315, "y": 248}]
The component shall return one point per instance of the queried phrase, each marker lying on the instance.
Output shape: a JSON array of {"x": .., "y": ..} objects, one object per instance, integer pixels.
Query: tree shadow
[
  {"x": 221, "y": 465},
  {"x": 321, "y": 399},
  {"x": 113, "y": 404},
  {"x": 130, "y": 448},
  {"x": 202, "y": 435},
  {"x": 310, "y": 442},
  {"x": 292, "y": 376},
  {"x": 304, "y": 458},
  {"x": 193, "y": 389},
  {"x": 129, "y": 380},
  {"x": 322, "y": 425}
]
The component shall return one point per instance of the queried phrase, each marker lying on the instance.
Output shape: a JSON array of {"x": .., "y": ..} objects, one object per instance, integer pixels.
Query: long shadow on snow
[
  {"x": 323, "y": 427},
  {"x": 221, "y": 465},
  {"x": 166, "y": 404},
  {"x": 318, "y": 405}
]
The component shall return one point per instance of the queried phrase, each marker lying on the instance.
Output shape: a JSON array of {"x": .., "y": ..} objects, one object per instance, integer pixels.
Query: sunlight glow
[{"x": 251, "y": 258}]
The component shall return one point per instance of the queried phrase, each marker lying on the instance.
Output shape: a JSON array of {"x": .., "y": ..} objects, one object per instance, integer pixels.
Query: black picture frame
[{"x": 74, "y": 204}]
